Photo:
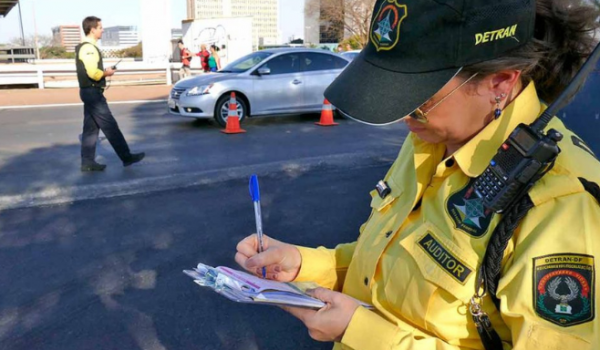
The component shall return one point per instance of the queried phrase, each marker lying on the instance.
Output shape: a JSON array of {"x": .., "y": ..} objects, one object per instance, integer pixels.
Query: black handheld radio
[
  {"x": 114, "y": 67},
  {"x": 528, "y": 153}
]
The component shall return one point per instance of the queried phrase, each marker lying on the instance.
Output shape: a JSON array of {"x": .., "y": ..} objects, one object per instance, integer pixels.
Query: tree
[
  {"x": 353, "y": 41},
  {"x": 353, "y": 15},
  {"x": 48, "y": 52},
  {"x": 134, "y": 51},
  {"x": 297, "y": 41},
  {"x": 43, "y": 41}
]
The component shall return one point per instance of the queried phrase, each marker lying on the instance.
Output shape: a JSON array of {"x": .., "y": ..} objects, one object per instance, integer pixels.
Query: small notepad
[{"x": 243, "y": 287}]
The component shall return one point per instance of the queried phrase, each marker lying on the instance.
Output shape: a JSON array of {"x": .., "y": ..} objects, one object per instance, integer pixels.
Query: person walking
[
  {"x": 91, "y": 76},
  {"x": 204, "y": 55},
  {"x": 214, "y": 61},
  {"x": 186, "y": 57}
]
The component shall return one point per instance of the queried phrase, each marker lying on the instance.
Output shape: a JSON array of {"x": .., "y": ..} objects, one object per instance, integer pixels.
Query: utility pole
[
  {"x": 37, "y": 48},
  {"x": 21, "y": 22}
]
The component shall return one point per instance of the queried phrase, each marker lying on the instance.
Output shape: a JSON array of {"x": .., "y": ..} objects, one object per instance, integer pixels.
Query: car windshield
[
  {"x": 246, "y": 62},
  {"x": 350, "y": 54}
]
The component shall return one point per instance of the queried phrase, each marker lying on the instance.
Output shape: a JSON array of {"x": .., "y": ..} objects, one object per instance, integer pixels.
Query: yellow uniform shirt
[
  {"x": 417, "y": 256},
  {"x": 88, "y": 54}
]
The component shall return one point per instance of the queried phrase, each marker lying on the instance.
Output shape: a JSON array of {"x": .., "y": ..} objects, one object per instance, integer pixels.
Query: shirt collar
[
  {"x": 89, "y": 40},
  {"x": 476, "y": 154}
]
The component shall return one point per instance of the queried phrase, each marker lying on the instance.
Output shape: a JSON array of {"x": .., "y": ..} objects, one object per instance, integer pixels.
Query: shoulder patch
[
  {"x": 564, "y": 288},
  {"x": 467, "y": 211}
]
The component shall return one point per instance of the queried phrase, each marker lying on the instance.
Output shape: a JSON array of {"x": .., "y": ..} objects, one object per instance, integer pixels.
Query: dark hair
[
  {"x": 89, "y": 23},
  {"x": 563, "y": 39},
  {"x": 213, "y": 46},
  {"x": 180, "y": 42}
]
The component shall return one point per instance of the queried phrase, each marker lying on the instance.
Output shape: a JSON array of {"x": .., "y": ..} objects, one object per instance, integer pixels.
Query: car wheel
[{"x": 222, "y": 110}]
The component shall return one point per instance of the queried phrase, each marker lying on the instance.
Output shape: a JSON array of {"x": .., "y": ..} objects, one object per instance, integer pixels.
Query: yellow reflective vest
[
  {"x": 417, "y": 256},
  {"x": 88, "y": 54}
]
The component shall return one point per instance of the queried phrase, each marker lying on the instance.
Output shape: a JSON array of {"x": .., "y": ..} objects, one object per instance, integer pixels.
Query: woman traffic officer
[{"x": 467, "y": 73}]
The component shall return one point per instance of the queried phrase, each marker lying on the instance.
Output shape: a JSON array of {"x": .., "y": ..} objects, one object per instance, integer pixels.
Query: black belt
[{"x": 102, "y": 88}]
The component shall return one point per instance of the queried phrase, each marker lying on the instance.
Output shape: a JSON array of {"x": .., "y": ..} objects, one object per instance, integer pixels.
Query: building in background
[
  {"x": 67, "y": 36},
  {"x": 319, "y": 30},
  {"x": 264, "y": 13},
  {"x": 311, "y": 26},
  {"x": 176, "y": 33},
  {"x": 120, "y": 37},
  {"x": 155, "y": 29},
  {"x": 232, "y": 35}
]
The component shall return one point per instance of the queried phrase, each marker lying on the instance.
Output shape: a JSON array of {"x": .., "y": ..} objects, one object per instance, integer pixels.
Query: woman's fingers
[
  {"x": 241, "y": 259},
  {"x": 272, "y": 270},
  {"x": 249, "y": 245},
  {"x": 269, "y": 257},
  {"x": 322, "y": 294}
]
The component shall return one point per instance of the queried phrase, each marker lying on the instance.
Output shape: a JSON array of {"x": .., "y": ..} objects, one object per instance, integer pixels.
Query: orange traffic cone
[
  {"x": 326, "y": 115},
  {"x": 233, "y": 120}
]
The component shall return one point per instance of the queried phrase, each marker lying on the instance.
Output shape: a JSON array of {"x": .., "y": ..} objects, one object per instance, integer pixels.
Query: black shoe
[
  {"x": 134, "y": 158},
  {"x": 93, "y": 167}
]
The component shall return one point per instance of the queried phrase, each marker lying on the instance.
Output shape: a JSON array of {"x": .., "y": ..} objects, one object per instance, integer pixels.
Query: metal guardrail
[
  {"x": 9, "y": 57},
  {"x": 46, "y": 75},
  {"x": 16, "y": 54}
]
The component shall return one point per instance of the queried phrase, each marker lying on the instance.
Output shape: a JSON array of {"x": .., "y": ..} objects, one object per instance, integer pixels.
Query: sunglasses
[{"x": 421, "y": 116}]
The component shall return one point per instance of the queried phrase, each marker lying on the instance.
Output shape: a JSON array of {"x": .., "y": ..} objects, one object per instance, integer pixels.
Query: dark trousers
[{"x": 97, "y": 116}]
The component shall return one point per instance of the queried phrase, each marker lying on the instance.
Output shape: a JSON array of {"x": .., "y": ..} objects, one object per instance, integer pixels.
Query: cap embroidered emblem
[{"x": 385, "y": 29}]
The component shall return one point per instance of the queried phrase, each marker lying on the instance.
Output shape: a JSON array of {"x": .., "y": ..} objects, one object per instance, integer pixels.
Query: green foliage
[
  {"x": 354, "y": 42},
  {"x": 134, "y": 51},
  {"x": 55, "y": 52}
]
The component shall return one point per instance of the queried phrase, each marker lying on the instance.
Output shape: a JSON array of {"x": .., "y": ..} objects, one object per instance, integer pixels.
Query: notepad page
[{"x": 256, "y": 284}]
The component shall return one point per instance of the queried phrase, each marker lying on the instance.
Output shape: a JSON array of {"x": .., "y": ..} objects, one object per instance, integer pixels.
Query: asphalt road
[
  {"x": 94, "y": 261},
  {"x": 106, "y": 273},
  {"x": 39, "y": 151}
]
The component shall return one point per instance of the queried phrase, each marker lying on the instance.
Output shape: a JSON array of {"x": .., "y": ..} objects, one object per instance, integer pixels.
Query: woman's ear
[{"x": 502, "y": 83}]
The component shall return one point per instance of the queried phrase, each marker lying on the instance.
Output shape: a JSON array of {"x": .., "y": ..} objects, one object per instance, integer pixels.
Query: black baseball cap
[{"x": 416, "y": 46}]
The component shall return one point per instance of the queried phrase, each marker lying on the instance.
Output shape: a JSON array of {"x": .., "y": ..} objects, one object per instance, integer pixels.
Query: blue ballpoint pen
[{"x": 255, "y": 193}]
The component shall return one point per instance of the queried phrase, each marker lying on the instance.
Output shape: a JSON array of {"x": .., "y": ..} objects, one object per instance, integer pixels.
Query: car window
[
  {"x": 350, "y": 54},
  {"x": 283, "y": 64},
  {"x": 246, "y": 62},
  {"x": 319, "y": 61}
]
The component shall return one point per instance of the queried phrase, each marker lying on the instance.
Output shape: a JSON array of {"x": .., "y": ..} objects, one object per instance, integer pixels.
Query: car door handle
[{"x": 296, "y": 82}]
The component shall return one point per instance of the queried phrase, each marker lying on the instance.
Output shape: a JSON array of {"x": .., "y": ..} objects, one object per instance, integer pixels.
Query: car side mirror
[{"x": 264, "y": 71}]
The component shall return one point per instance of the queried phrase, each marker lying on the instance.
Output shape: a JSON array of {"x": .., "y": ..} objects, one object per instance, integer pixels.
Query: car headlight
[{"x": 199, "y": 90}]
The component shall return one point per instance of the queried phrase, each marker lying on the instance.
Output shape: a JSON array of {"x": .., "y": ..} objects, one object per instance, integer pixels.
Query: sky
[{"x": 51, "y": 13}]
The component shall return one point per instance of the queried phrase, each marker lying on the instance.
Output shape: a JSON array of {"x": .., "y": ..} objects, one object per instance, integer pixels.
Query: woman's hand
[
  {"x": 282, "y": 260},
  {"x": 330, "y": 322}
]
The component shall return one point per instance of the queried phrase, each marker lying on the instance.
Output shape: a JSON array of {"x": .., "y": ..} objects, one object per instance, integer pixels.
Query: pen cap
[{"x": 254, "y": 191}]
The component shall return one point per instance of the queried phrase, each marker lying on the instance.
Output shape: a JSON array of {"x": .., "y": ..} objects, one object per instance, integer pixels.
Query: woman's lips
[{"x": 415, "y": 128}]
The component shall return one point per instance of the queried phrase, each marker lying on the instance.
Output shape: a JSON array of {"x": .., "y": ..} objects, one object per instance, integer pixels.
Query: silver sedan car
[{"x": 267, "y": 82}]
